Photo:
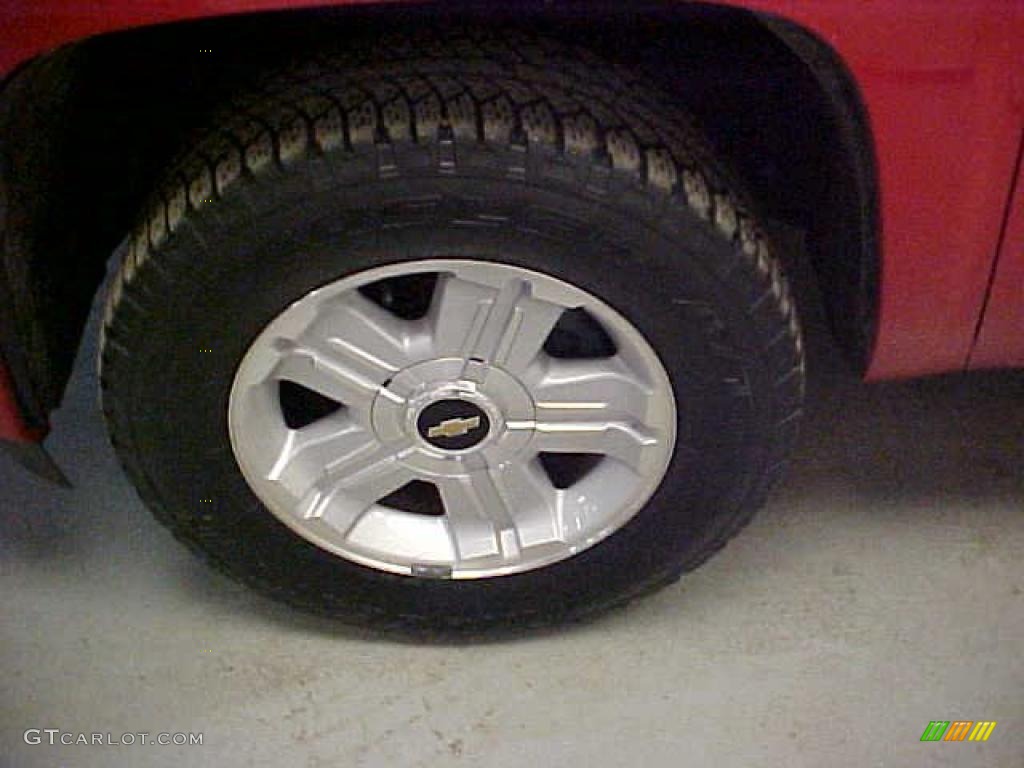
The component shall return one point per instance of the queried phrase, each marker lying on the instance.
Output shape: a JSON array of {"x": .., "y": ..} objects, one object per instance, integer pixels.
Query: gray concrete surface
[{"x": 880, "y": 589}]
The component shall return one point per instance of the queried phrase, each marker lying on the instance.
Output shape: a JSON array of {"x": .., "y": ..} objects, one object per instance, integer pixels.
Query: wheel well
[{"x": 88, "y": 130}]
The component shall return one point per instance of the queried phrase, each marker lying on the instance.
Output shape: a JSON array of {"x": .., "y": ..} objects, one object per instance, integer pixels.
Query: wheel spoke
[
  {"x": 534, "y": 501},
  {"x": 348, "y": 352},
  {"x": 327, "y": 372},
  {"x": 305, "y": 452},
  {"x": 593, "y": 406},
  {"x": 479, "y": 522},
  {"x": 626, "y": 441},
  {"x": 568, "y": 390},
  {"x": 515, "y": 327},
  {"x": 375, "y": 340},
  {"x": 583, "y": 510},
  {"x": 455, "y": 314},
  {"x": 503, "y": 326},
  {"x": 351, "y": 485}
]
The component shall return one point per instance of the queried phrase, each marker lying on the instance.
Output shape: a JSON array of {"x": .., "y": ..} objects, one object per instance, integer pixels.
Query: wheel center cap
[
  {"x": 453, "y": 424},
  {"x": 455, "y": 416}
]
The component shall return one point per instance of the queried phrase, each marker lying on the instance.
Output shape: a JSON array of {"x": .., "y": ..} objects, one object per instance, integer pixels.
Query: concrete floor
[{"x": 882, "y": 587}]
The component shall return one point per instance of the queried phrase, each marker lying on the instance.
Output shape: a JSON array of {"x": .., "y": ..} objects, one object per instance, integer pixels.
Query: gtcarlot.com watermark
[{"x": 54, "y": 736}]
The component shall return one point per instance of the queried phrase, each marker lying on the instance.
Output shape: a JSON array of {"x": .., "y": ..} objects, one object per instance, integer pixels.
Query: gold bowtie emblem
[{"x": 453, "y": 427}]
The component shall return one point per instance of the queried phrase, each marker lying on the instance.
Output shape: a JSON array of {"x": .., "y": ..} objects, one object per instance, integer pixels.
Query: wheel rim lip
[{"x": 296, "y": 315}]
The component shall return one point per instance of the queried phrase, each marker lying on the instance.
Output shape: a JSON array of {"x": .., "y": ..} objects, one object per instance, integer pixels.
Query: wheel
[{"x": 470, "y": 333}]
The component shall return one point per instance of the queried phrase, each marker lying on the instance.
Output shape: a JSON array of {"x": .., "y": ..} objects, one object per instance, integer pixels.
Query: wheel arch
[{"x": 89, "y": 128}]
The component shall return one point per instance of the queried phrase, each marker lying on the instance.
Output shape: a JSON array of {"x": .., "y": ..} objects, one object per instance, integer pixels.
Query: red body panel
[
  {"x": 1001, "y": 339},
  {"x": 942, "y": 86},
  {"x": 944, "y": 91}
]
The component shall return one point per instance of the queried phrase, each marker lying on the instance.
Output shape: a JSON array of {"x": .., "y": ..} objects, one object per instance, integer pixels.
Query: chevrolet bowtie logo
[{"x": 453, "y": 427}]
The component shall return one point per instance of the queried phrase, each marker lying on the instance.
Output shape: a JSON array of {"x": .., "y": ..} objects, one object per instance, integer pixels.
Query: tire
[{"x": 515, "y": 151}]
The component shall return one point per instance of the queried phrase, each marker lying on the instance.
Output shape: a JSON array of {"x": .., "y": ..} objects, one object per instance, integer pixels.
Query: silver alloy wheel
[{"x": 463, "y": 397}]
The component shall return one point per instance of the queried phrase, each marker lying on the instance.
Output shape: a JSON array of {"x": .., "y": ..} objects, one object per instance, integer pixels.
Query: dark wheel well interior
[{"x": 88, "y": 129}]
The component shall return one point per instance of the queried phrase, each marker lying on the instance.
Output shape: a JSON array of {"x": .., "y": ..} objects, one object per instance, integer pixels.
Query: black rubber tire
[{"x": 514, "y": 149}]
